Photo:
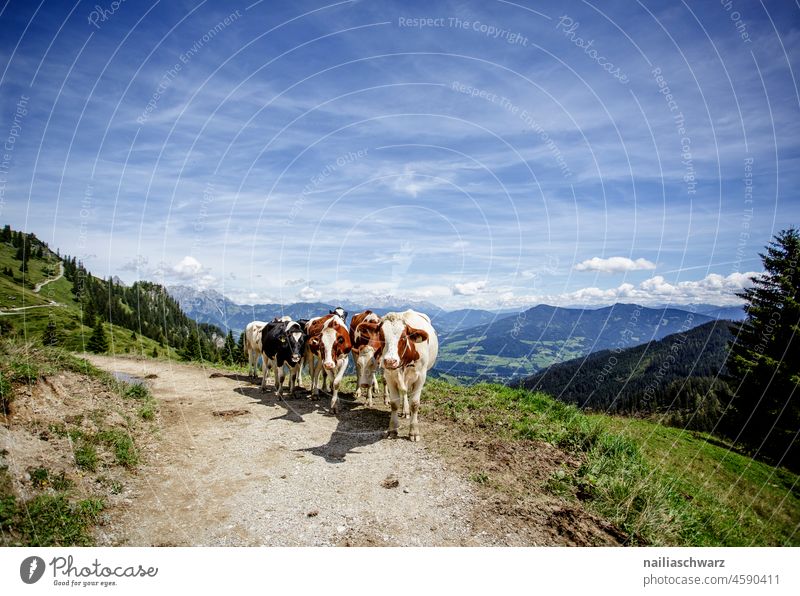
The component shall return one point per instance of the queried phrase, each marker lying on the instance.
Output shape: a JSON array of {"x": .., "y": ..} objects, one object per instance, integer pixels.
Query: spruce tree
[
  {"x": 230, "y": 349},
  {"x": 765, "y": 358},
  {"x": 98, "y": 342}
]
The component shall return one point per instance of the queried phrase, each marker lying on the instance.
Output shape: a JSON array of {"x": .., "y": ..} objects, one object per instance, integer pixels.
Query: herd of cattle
[{"x": 403, "y": 344}]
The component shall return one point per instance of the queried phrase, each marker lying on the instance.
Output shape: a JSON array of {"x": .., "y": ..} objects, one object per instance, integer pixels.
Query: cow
[
  {"x": 339, "y": 311},
  {"x": 252, "y": 346},
  {"x": 282, "y": 343},
  {"x": 410, "y": 350},
  {"x": 367, "y": 343},
  {"x": 326, "y": 352}
]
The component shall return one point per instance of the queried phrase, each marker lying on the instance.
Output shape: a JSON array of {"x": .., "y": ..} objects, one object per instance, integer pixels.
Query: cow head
[
  {"x": 367, "y": 348},
  {"x": 333, "y": 342},
  {"x": 400, "y": 342},
  {"x": 340, "y": 312},
  {"x": 294, "y": 339}
]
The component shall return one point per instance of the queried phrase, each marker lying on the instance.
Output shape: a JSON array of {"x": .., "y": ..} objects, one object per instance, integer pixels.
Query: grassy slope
[
  {"x": 60, "y": 513},
  {"x": 30, "y": 324},
  {"x": 13, "y": 292},
  {"x": 743, "y": 502},
  {"x": 660, "y": 485}
]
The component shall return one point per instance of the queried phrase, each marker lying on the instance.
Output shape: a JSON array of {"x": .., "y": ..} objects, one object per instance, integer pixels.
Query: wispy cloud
[{"x": 614, "y": 265}]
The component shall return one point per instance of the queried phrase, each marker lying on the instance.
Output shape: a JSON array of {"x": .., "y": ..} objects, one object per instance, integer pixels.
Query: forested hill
[
  {"x": 674, "y": 375},
  {"x": 67, "y": 309}
]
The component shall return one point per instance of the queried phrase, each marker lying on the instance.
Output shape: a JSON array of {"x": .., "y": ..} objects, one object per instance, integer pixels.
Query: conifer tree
[
  {"x": 765, "y": 358},
  {"x": 98, "y": 342}
]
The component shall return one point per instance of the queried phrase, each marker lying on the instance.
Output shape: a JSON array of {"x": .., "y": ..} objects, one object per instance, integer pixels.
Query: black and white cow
[{"x": 282, "y": 345}]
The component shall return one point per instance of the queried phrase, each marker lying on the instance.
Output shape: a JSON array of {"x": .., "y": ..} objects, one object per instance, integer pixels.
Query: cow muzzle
[
  {"x": 329, "y": 365},
  {"x": 390, "y": 363},
  {"x": 295, "y": 359}
]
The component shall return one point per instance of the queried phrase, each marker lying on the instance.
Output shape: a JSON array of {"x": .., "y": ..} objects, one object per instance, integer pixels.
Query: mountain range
[
  {"x": 478, "y": 344},
  {"x": 210, "y": 306}
]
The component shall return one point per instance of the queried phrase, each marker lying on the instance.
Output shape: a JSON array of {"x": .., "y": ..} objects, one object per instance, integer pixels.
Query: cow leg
[
  {"x": 335, "y": 381},
  {"x": 300, "y": 373},
  {"x": 394, "y": 402},
  {"x": 294, "y": 377},
  {"x": 405, "y": 405},
  {"x": 264, "y": 378},
  {"x": 314, "y": 368},
  {"x": 413, "y": 434},
  {"x": 358, "y": 378},
  {"x": 373, "y": 387},
  {"x": 278, "y": 377}
]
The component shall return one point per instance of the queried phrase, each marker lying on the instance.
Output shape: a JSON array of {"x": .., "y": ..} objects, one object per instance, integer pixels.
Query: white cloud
[
  {"x": 309, "y": 293},
  {"x": 469, "y": 288},
  {"x": 712, "y": 289},
  {"x": 187, "y": 268},
  {"x": 614, "y": 265}
]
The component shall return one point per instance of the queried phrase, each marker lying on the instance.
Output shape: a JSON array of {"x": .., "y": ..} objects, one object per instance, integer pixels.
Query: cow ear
[{"x": 416, "y": 335}]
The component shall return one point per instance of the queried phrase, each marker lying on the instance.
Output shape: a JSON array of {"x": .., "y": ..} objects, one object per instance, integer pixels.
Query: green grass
[
  {"x": 51, "y": 520},
  {"x": 121, "y": 442},
  {"x": 86, "y": 456},
  {"x": 660, "y": 485},
  {"x": 743, "y": 502}
]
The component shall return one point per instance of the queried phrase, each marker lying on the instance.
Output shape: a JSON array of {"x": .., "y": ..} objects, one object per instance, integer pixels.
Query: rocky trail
[{"x": 232, "y": 466}]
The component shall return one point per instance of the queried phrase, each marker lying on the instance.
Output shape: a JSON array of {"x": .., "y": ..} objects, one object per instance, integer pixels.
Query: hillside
[
  {"x": 58, "y": 299},
  {"x": 677, "y": 375},
  {"x": 524, "y": 344}
]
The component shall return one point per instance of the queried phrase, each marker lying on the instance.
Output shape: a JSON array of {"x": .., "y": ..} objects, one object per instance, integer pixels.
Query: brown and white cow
[
  {"x": 367, "y": 343},
  {"x": 252, "y": 346},
  {"x": 410, "y": 350},
  {"x": 326, "y": 352}
]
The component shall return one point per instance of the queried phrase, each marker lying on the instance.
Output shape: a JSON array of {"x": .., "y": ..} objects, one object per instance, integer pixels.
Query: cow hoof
[
  {"x": 413, "y": 437},
  {"x": 391, "y": 434}
]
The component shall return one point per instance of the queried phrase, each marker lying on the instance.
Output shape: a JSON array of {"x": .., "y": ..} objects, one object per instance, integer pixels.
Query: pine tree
[
  {"x": 155, "y": 352},
  {"x": 191, "y": 349},
  {"x": 230, "y": 350},
  {"x": 98, "y": 342},
  {"x": 765, "y": 358},
  {"x": 5, "y": 236}
]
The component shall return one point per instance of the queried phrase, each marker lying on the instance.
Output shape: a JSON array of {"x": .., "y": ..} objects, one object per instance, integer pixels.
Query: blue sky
[{"x": 491, "y": 154}]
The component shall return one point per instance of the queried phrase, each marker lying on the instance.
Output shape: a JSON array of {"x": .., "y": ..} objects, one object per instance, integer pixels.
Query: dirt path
[
  {"x": 42, "y": 284},
  {"x": 286, "y": 473}
]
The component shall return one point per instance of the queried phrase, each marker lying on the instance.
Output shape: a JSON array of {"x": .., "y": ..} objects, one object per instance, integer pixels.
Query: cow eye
[{"x": 341, "y": 340}]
